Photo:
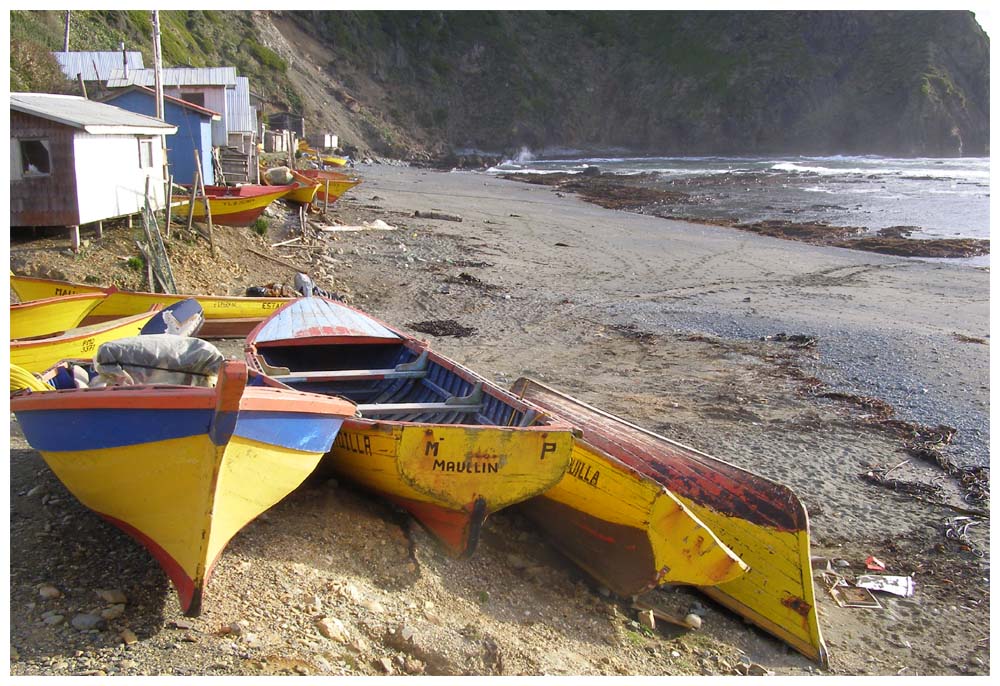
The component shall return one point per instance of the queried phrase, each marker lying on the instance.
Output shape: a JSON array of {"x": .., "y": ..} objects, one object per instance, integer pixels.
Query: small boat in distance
[
  {"x": 305, "y": 187},
  {"x": 180, "y": 468},
  {"x": 225, "y": 315},
  {"x": 762, "y": 522},
  {"x": 51, "y": 315},
  {"x": 333, "y": 184},
  {"x": 431, "y": 436},
  {"x": 232, "y": 205}
]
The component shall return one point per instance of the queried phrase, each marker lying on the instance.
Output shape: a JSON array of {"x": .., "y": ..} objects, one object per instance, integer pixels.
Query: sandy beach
[{"x": 674, "y": 326}]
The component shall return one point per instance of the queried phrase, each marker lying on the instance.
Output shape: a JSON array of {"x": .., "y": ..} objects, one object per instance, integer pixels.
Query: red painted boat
[{"x": 234, "y": 205}]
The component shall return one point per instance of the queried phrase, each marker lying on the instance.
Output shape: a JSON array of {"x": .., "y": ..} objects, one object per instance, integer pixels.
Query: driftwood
[
  {"x": 438, "y": 215},
  {"x": 279, "y": 261}
]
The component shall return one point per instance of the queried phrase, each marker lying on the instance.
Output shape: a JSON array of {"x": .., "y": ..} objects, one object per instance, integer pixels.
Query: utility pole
[
  {"x": 158, "y": 80},
  {"x": 66, "y": 35},
  {"x": 157, "y": 65}
]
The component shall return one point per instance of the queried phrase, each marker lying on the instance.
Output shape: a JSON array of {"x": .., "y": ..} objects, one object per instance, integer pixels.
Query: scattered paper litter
[
  {"x": 898, "y": 585},
  {"x": 377, "y": 225}
]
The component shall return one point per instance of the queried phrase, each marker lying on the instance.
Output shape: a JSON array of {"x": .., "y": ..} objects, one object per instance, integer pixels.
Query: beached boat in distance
[
  {"x": 180, "y": 468},
  {"x": 51, "y": 315},
  {"x": 333, "y": 184},
  {"x": 225, "y": 316},
  {"x": 761, "y": 521},
  {"x": 232, "y": 205},
  {"x": 431, "y": 436},
  {"x": 305, "y": 187},
  {"x": 38, "y": 354}
]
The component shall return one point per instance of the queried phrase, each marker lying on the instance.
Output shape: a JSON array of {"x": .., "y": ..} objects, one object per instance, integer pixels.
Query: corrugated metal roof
[
  {"x": 96, "y": 66},
  {"x": 92, "y": 117},
  {"x": 239, "y": 115},
  {"x": 175, "y": 76},
  {"x": 167, "y": 98}
]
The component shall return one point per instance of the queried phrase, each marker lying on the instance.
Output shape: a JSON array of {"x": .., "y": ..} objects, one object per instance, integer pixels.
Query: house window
[
  {"x": 194, "y": 98},
  {"x": 145, "y": 153},
  {"x": 35, "y": 159}
]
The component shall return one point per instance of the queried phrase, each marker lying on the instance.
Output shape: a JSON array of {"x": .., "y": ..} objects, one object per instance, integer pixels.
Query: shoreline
[
  {"x": 672, "y": 325},
  {"x": 634, "y": 193}
]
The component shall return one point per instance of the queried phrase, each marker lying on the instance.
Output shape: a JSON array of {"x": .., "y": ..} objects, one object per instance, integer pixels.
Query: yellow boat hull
[
  {"x": 51, "y": 315},
  {"x": 762, "y": 522},
  {"x": 82, "y": 343},
  {"x": 627, "y": 530},
  {"x": 224, "y": 315},
  {"x": 451, "y": 477}
]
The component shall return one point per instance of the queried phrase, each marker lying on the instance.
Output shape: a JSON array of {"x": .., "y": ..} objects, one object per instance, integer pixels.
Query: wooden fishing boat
[
  {"x": 233, "y": 205},
  {"x": 38, "y": 354},
  {"x": 431, "y": 435},
  {"x": 763, "y": 522},
  {"x": 225, "y": 316},
  {"x": 333, "y": 184},
  {"x": 628, "y": 531},
  {"x": 305, "y": 187},
  {"x": 181, "y": 468},
  {"x": 51, "y": 315}
]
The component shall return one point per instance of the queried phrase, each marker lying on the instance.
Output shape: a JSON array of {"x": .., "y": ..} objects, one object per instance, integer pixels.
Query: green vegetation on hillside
[
  {"x": 708, "y": 82},
  {"x": 188, "y": 38}
]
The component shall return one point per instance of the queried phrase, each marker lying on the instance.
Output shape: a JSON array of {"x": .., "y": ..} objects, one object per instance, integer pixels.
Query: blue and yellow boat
[{"x": 180, "y": 468}]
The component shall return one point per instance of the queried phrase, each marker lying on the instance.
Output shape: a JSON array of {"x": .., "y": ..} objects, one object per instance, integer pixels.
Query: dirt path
[{"x": 656, "y": 321}]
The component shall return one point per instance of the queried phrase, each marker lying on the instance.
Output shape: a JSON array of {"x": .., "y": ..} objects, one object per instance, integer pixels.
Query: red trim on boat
[{"x": 184, "y": 585}]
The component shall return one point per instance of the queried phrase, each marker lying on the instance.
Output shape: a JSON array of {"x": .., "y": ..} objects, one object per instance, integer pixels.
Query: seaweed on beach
[
  {"x": 919, "y": 247},
  {"x": 442, "y": 327}
]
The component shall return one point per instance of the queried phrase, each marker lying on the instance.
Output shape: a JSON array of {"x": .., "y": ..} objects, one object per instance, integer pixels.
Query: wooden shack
[{"x": 75, "y": 161}]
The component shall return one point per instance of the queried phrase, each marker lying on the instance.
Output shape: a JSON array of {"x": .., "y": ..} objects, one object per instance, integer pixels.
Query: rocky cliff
[{"x": 429, "y": 83}]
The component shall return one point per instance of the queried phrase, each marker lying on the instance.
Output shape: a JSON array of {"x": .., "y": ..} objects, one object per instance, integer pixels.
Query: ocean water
[{"x": 939, "y": 198}]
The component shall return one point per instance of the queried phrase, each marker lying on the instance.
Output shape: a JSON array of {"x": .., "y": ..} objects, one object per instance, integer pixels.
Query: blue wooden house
[{"x": 194, "y": 129}]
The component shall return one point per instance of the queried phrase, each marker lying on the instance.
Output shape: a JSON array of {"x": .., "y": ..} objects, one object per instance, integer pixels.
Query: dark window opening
[
  {"x": 194, "y": 98},
  {"x": 35, "y": 158}
]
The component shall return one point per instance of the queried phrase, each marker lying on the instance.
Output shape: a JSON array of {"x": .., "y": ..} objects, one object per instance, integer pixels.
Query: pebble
[
  {"x": 112, "y": 597},
  {"x": 113, "y": 612},
  {"x": 647, "y": 620},
  {"x": 181, "y": 624},
  {"x": 53, "y": 618},
  {"x": 693, "y": 621},
  {"x": 333, "y": 628},
  {"x": 373, "y": 606},
  {"x": 49, "y": 592},
  {"x": 412, "y": 665},
  {"x": 674, "y": 653},
  {"x": 36, "y": 490},
  {"x": 386, "y": 665},
  {"x": 87, "y": 621}
]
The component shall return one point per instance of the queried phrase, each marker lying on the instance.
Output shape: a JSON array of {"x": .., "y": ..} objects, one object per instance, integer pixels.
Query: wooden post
[
  {"x": 83, "y": 86},
  {"x": 74, "y": 237},
  {"x": 66, "y": 35},
  {"x": 204, "y": 196},
  {"x": 302, "y": 220},
  {"x": 326, "y": 198},
  {"x": 100, "y": 229},
  {"x": 170, "y": 200},
  {"x": 194, "y": 191}
]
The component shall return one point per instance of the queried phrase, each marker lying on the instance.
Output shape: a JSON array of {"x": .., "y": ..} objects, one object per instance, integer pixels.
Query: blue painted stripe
[
  {"x": 307, "y": 432},
  {"x": 68, "y": 430}
]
